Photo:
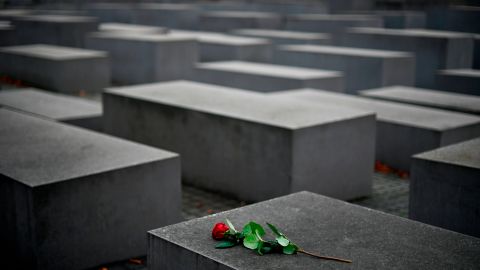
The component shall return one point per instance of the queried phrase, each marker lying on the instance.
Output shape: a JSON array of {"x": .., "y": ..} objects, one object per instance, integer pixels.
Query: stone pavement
[{"x": 390, "y": 195}]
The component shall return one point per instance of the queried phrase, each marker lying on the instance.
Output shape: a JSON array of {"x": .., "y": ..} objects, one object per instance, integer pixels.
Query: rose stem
[{"x": 324, "y": 257}]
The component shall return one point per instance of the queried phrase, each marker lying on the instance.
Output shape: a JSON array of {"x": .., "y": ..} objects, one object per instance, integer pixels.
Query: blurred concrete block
[
  {"x": 61, "y": 69},
  {"x": 113, "y": 12},
  {"x": 282, "y": 37},
  {"x": 433, "y": 49},
  {"x": 266, "y": 77},
  {"x": 7, "y": 34},
  {"x": 63, "y": 108},
  {"x": 59, "y": 30},
  {"x": 135, "y": 28},
  {"x": 362, "y": 68},
  {"x": 429, "y": 98},
  {"x": 444, "y": 188},
  {"x": 258, "y": 147},
  {"x": 182, "y": 16},
  {"x": 402, "y": 130},
  {"x": 402, "y": 19},
  {"x": 74, "y": 199},
  {"x": 142, "y": 58},
  {"x": 465, "y": 81},
  {"x": 222, "y": 21}
]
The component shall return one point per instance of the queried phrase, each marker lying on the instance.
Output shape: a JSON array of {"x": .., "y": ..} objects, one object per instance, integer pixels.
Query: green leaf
[
  {"x": 230, "y": 225},
  {"x": 290, "y": 249},
  {"x": 251, "y": 241},
  {"x": 274, "y": 229},
  {"x": 225, "y": 244},
  {"x": 282, "y": 241},
  {"x": 259, "y": 248},
  {"x": 251, "y": 227}
]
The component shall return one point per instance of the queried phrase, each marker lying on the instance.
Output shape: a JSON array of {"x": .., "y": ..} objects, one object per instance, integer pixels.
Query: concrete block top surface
[
  {"x": 281, "y": 34},
  {"x": 465, "y": 154},
  {"x": 269, "y": 70},
  {"x": 58, "y": 19},
  {"x": 426, "y": 97},
  {"x": 335, "y": 17},
  {"x": 371, "y": 239},
  {"x": 418, "y": 33},
  {"x": 218, "y": 38},
  {"x": 132, "y": 28},
  {"x": 52, "y": 52},
  {"x": 392, "y": 112},
  {"x": 50, "y": 105},
  {"x": 15, "y": 12},
  {"x": 140, "y": 37},
  {"x": 36, "y": 151},
  {"x": 238, "y": 104},
  {"x": 474, "y": 73},
  {"x": 167, "y": 6},
  {"x": 347, "y": 51},
  {"x": 240, "y": 14}
]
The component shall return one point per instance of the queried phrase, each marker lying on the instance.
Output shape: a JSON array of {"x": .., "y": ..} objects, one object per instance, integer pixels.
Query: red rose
[{"x": 219, "y": 231}]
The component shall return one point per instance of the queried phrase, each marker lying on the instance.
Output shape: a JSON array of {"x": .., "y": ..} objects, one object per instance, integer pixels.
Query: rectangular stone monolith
[
  {"x": 465, "y": 81},
  {"x": 283, "y": 37}
]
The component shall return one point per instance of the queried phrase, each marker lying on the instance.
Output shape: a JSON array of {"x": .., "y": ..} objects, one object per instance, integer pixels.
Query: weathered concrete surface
[
  {"x": 220, "y": 47},
  {"x": 73, "y": 199},
  {"x": 433, "y": 49},
  {"x": 424, "y": 97},
  {"x": 222, "y": 21},
  {"x": 362, "y": 68},
  {"x": 59, "y": 30},
  {"x": 465, "y": 81},
  {"x": 182, "y": 16},
  {"x": 228, "y": 136},
  {"x": 402, "y": 130},
  {"x": 67, "y": 109},
  {"x": 61, "y": 69},
  {"x": 137, "y": 28},
  {"x": 283, "y": 37},
  {"x": 143, "y": 58},
  {"x": 266, "y": 77},
  {"x": 371, "y": 239},
  {"x": 445, "y": 187}
]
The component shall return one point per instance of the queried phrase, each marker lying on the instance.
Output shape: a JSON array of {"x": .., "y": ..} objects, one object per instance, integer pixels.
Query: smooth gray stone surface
[
  {"x": 143, "y": 58},
  {"x": 282, "y": 37},
  {"x": 137, "y": 28},
  {"x": 402, "y": 130},
  {"x": 220, "y": 47},
  {"x": 465, "y": 81},
  {"x": 445, "y": 187},
  {"x": 459, "y": 18},
  {"x": 425, "y": 97},
  {"x": 10, "y": 14},
  {"x": 7, "y": 34},
  {"x": 67, "y": 109},
  {"x": 403, "y": 19},
  {"x": 362, "y": 68},
  {"x": 74, "y": 199},
  {"x": 371, "y": 239},
  {"x": 174, "y": 15},
  {"x": 476, "y": 51},
  {"x": 113, "y": 12},
  {"x": 56, "y": 68},
  {"x": 266, "y": 77},
  {"x": 277, "y": 146},
  {"x": 59, "y": 30},
  {"x": 433, "y": 49},
  {"x": 222, "y": 21}
]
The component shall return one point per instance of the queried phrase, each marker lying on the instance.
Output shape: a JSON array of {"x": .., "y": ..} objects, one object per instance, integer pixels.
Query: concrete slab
[
  {"x": 459, "y": 18},
  {"x": 10, "y": 14},
  {"x": 476, "y": 52},
  {"x": 362, "y": 68},
  {"x": 56, "y": 68},
  {"x": 59, "y": 30},
  {"x": 429, "y": 98},
  {"x": 433, "y": 49},
  {"x": 137, "y": 28},
  {"x": 73, "y": 198},
  {"x": 63, "y": 108},
  {"x": 465, "y": 81},
  {"x": 113, "y": 12},
  {"x": 266, "y": 77},
  {"x": 276, "y": 146},
  {"x": 444, "y": 187},
  {"x": 402, "y": 130},
  {"x": 403, "y": 19},
  {"x": 174, "y": 15},
  {"x": 7, "y": 34},
  {"x": 220, "y": 47},
  {"x": 371, "y": 239},
  {"x": 282, "y": 37},
  {"x": 141, "y": 58},
  {"x": 222, "y": 21}
]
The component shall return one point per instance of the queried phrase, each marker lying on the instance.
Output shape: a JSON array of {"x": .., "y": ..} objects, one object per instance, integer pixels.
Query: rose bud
[{"x": 219, "y": 231}]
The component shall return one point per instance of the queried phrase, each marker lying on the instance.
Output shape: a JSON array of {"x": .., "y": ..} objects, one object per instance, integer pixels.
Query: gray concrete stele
[
  {"x": 318, "y": 224},
  {"x": 74, "y": 199},
  {"x": 465, "y": 81}
]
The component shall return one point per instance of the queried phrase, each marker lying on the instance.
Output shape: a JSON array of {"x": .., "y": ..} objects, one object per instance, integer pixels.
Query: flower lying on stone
[{"x": 252, "y": 238}]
